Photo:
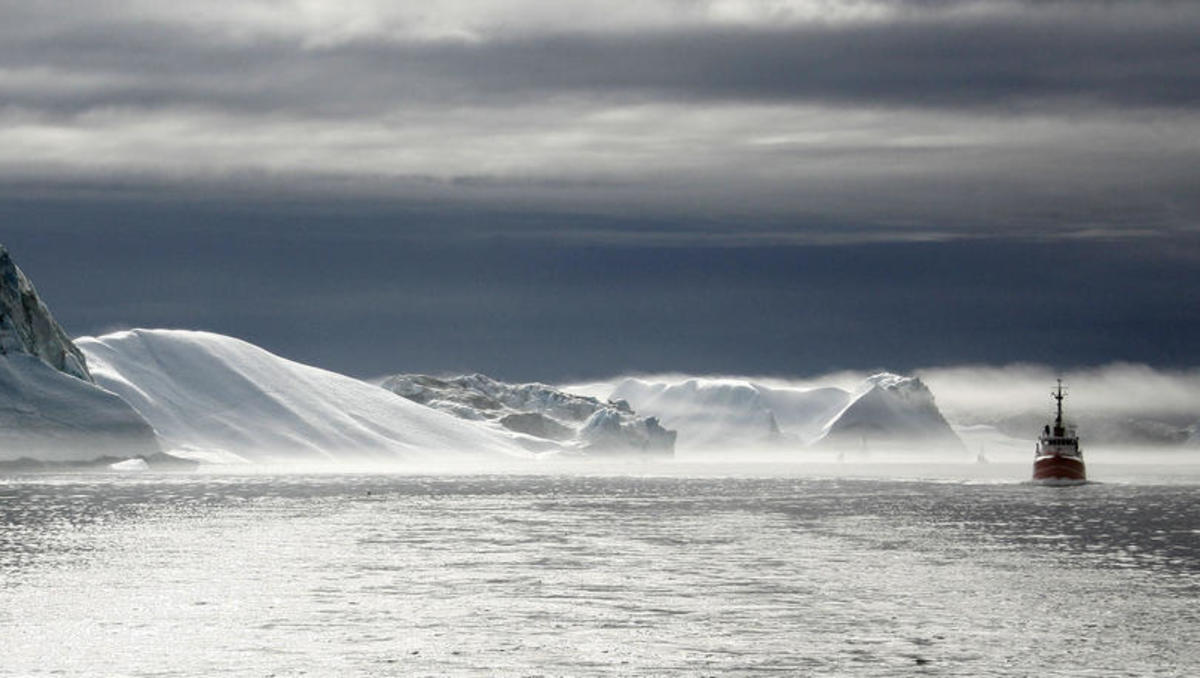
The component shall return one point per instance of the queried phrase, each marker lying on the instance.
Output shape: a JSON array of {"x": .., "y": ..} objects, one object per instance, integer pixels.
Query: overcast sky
[{"x": 567, "y": 189}]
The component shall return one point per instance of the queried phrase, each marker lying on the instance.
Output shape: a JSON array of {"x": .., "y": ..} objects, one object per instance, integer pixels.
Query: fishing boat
[{"x": 1058, "y": 459}]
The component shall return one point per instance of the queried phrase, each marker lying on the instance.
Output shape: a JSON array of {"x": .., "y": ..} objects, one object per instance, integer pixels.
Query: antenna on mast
[{"x": 1057, "y": 394}]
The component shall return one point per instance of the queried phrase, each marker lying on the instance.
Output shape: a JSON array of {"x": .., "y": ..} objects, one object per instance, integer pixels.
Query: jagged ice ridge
[{"x": 547, "y": 419}]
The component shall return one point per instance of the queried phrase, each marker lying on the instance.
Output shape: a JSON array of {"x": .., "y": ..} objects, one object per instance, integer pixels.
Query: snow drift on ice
[{"x": 215, "y": 397}]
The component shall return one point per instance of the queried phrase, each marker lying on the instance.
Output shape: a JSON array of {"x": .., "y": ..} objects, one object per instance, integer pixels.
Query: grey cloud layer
[
  {"x": 913, "y": 114},
  {"x": 1145, "y": 59}
]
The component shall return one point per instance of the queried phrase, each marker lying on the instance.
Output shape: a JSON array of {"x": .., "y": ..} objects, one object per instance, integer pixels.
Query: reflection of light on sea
[{"x": 665, "y": 573}]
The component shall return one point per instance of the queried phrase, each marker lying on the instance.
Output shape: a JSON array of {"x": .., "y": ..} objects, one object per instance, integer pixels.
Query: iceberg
[
  {"x": 885, "y": 410},
  {"x": 891, "y": 411},
  {"x": 216, "y": 398},
  {"x": 130, "y": 465},
  {"x": 51, "y": 409},
  {"x": 545, "y": 418}
]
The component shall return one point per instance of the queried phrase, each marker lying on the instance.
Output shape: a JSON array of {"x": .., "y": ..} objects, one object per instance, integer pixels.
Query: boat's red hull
[{"x": 1056, "y": 469}]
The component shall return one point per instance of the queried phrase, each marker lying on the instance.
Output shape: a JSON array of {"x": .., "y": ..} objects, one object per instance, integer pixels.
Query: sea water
[{"x": 639, "y": 570}]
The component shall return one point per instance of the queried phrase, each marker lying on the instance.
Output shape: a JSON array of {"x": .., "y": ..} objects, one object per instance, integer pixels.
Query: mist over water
[
  {"x": 996, "y": 412},
  {"x": 995, "y": 390},
  {"x": 688, "y": 568}
]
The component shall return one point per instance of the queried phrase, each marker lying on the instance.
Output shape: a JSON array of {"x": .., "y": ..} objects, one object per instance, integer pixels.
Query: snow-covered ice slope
[
  {"x": 50, "y": 409},
  {"x": 216, "y": 397},
  {"x": 47, "y": 415}
]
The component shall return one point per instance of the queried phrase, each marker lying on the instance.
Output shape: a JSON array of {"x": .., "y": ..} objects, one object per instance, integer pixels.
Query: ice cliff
[
  {"x": 221, "y": 399},
  {"x": 546, "y": 418},
  {"x": 50, "y": 407}
]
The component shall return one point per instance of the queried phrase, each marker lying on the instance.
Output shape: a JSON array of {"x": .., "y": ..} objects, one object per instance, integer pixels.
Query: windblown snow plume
[
  {"x": 1120, "y": 405},
  {"x": 50, "y": 409},
  {"x": 546, "y": 418},
  {"x": 729, "y": 414},
  {"x": 726, "y": 413},
  {"x": 217, "y": 398}
]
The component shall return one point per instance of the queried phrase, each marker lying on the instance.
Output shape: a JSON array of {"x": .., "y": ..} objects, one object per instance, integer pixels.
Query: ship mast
[{"x": 1058, "y": 422}]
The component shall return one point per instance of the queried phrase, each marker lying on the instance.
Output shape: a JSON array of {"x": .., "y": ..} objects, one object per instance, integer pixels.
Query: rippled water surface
[{"x": 551, "y": 575}]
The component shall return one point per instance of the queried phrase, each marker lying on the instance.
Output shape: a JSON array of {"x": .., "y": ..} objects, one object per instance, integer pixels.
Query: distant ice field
[{"x": 697, "y": 567}]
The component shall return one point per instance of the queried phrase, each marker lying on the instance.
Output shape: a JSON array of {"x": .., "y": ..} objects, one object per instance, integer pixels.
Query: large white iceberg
[
  {"x": 217, "y": 398},
  {"x": 50, "y": 408}
]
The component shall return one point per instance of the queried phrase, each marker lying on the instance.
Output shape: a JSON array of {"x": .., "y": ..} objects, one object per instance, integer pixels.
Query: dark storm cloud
[
  {"x": 358, "y": 297},
  {"x": 909, "y": 64},
  {"x": 1083, "y": 54}
]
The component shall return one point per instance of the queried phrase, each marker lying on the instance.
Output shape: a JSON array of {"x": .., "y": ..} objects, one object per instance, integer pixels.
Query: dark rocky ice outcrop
[
  {"x": 546, "y": 417},
  {"x": 51, "y": 410},
  {"x": 27, "y": 327}
]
